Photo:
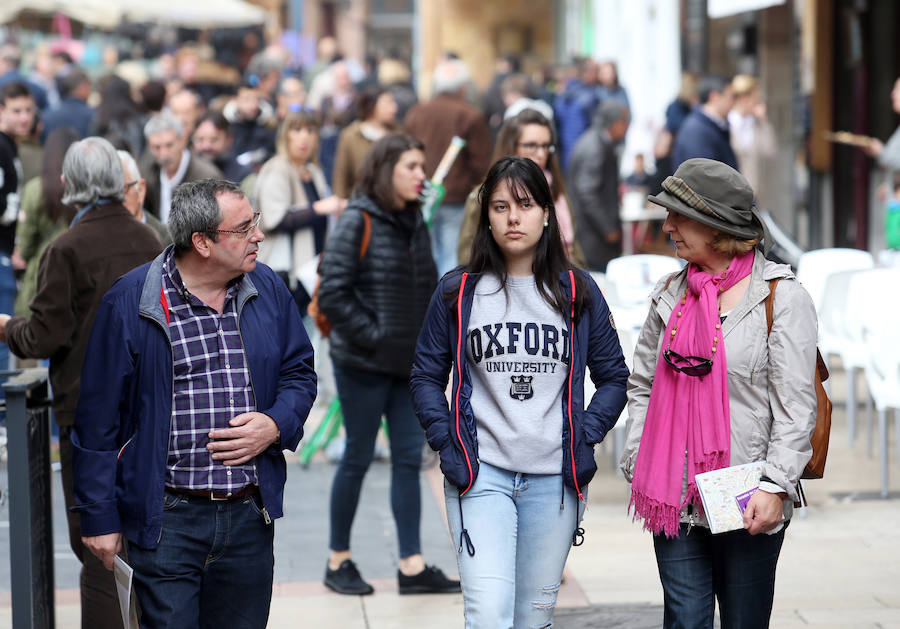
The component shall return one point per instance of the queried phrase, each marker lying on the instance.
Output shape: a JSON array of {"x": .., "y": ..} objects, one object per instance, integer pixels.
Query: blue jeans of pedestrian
[
  {"x": 213, "y": 567},
  {"x": 521, "y": 538},
  {"x": 736, "y": 568},
  {"x": 365, "y": 396},
  {"x": 445, "y": 235}
]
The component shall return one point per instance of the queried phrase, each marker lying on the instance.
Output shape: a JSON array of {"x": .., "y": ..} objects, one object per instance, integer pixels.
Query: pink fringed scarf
[{"x": 687, "y": 416}]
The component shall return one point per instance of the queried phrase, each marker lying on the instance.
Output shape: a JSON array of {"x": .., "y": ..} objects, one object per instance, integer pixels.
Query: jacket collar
[
  {"x": 150, "y": 304},
  {"x": 104, "y": 210}
]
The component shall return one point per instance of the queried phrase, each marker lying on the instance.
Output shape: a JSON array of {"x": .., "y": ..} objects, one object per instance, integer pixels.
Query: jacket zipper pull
[{"x": 266, "y": 517}]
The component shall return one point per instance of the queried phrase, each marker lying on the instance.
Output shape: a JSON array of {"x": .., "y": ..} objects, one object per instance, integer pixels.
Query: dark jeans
[
  {"x": 99, "y": 600},
  {"x": 365, "y": 396},
  {"x": 736, "y": 568},
  {"x": 213, "y": 566}
]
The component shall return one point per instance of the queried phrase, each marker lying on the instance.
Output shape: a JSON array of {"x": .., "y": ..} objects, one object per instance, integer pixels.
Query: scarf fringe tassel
[{"x": 658, "y": 517}]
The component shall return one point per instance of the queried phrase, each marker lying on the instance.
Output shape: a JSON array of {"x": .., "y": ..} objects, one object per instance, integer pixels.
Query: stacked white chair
[
  {"x": 838, "y": 337},
  {"x": 815, "y": 266},
  {"x": 868, "y": 310},
  {"x": 813, "y": 271},
  {"x": 628, "y": 282},
  {"x": 630, "y": 279},
  {"x": 882, "y": 371}
]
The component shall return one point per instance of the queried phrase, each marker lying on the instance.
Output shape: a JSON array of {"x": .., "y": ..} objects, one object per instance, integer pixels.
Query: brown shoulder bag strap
[
  {"x": 367, "y": 235},
  {"x": 770, "y": 304}
]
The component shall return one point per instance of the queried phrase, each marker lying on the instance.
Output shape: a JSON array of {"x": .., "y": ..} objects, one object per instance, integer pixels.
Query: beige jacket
[
  {"x": 278, "y": 189},
  {"x": 770, "y": 381}
]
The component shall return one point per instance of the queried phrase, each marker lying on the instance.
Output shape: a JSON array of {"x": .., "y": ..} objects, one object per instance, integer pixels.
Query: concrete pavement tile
[
  {"x": 571, "y": 594},
  {"x": 323, "y": 610},
  {"x": 849, "y": 617},
  {"x": 610, "y": 617},
  {"x": 435, "y": 611}
]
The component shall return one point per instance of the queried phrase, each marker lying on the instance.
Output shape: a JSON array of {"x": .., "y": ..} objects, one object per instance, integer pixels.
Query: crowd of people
[{"x": 161, "y": 242}]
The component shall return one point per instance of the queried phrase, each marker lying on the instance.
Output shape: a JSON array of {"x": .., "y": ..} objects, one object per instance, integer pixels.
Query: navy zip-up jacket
[
  {"x": 124, "y": 415},
  {"x": 452, "y": 431},
  {"x": 701, "y": 136}
]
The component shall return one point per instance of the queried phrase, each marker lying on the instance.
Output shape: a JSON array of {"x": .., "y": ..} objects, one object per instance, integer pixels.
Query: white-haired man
[
  {"x": 171, "y": 163},
  {"x": 434, "y": 124},
  {"x": 135, "y": 192},
  {"x": 76, "y": 270}
]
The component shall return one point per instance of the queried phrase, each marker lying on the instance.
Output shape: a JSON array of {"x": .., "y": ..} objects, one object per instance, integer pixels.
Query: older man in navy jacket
[{"x": 198, "y": 373}]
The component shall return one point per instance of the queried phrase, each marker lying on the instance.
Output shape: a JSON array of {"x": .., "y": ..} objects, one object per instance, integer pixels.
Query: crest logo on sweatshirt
[{"x": 521, "y": 388}]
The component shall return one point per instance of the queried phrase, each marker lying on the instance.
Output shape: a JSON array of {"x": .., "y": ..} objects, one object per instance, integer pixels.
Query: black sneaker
[
  {"x": 430, "y": 581},
  {"x": 346, "y": 579}
]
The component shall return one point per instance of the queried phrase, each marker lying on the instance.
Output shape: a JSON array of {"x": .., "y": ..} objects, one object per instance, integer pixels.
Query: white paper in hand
[{"x": 127, "y": 604}]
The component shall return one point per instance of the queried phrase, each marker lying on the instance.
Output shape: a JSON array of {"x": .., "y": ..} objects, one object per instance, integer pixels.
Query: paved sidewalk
[{"x": 840, "y": 566}]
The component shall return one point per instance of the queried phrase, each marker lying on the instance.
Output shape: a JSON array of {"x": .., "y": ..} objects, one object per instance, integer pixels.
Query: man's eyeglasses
[
  {"x": 244, "y": 234},
  {"x": 128, "y": 184},
  {"x": 696, "y": 366},
  {"x": 534, "y": 147}
]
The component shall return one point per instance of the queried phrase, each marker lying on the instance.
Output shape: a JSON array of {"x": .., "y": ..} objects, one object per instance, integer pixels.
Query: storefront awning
[{"x": 107, "y": 14}]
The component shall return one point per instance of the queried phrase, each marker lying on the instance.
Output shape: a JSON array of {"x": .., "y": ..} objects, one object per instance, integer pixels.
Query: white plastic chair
[
  {"x": 813, "y": 270},
  {"x": 883, "y": 380},
  {"x": 627, "y": 341},
  {"x": 815, "y": 266},
  {"x": 834, "y": 338},
  {"x": 870, "y": 310},
  {"x": 889, "y": 257},
  {"x": 633, "y": 277}
]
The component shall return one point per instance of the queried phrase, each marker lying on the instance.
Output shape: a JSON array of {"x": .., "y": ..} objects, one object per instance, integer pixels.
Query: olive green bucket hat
[{"x": 716, "y": 195}]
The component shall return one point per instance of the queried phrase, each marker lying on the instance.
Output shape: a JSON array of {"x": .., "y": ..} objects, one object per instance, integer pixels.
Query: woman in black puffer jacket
[{"x": 376, "y": 303}]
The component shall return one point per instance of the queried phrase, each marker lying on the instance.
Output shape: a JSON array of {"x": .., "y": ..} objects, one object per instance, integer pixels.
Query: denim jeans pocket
[
  {"x": 256, "y": 505},
  {"x": 170, "y": 500}
]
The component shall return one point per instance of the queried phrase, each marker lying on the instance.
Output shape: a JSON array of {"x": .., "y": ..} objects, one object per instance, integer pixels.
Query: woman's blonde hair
[
  {"x": 743, "y": 84},
  {"x": 731, "y": 246},
  {"x": 295, "y": 121}
]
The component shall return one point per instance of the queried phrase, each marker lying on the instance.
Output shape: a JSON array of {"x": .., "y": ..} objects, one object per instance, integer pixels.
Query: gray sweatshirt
[{"x": 518, "y": 353}]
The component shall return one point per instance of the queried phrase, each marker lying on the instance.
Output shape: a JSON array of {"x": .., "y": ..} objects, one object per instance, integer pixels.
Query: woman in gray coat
[{"x": 711, "y": 389}]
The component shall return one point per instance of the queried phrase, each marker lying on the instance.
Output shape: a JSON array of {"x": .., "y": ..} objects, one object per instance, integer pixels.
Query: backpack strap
[{"x": 367, "y": 235}]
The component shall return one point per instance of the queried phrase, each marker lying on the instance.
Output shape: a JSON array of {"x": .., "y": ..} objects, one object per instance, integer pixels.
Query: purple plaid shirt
[{"x": 212, "y": 386}]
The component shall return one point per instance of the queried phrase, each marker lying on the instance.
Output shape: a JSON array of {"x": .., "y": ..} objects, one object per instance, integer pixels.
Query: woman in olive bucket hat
[{"x": 709, "y": 390}]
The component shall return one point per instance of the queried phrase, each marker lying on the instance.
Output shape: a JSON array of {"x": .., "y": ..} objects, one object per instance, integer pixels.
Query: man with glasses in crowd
[
  {"x": 198, "y": 374},
  {"x": 76, "y": 270}
]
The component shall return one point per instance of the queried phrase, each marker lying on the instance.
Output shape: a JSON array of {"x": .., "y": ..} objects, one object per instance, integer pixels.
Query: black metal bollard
[{"x": 30, "y": 521}]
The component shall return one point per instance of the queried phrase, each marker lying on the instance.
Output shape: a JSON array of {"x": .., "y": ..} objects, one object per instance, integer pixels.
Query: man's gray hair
[
  {"x": 92, "y": 171},
  {"x": 610, "y": 112},
  {"x": 164, "y": 121},
  {"x": 195, "y": 209},
  {"x": 450, "y": 76},
  {"x": 132, "y": 172}
]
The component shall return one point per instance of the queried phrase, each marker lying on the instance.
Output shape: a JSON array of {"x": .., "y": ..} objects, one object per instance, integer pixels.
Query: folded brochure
[
  {"x": 725, "y": 493},
  {"x": 127, "y": 604}
]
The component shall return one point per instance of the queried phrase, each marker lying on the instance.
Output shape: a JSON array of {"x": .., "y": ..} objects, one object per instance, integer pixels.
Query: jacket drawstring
[{"x": 464, "y": 538}]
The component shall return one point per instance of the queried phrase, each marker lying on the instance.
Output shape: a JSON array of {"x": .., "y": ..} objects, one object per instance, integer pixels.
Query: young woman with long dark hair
[{"x": 517, "y": 326}]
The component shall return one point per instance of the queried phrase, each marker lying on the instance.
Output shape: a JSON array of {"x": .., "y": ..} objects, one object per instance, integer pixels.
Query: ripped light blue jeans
[{"x": 521, "y": 539}]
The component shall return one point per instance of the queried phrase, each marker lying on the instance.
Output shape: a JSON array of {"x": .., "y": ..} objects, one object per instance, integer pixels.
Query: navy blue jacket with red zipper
[{"x": 452, "y": 431}]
